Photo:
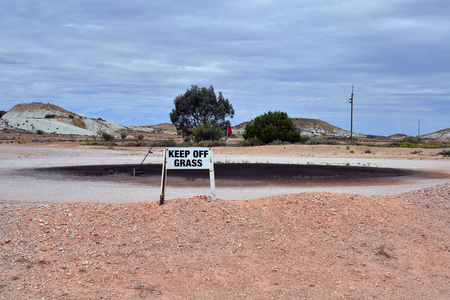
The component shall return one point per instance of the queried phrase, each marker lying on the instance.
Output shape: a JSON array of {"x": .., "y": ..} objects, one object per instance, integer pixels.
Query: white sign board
[{"x": 188, "y": 158}]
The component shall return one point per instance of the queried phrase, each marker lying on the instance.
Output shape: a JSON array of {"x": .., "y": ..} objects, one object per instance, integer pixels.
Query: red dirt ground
[{"x": 296, "y": 246}]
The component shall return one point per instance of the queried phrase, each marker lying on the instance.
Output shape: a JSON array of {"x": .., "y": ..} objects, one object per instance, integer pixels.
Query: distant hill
[
  {"x": 163, "y": 128},
  {"x": 309, "y": 127},
  {"x": 319, "y": 128},
  {"x": 441, "y": 134},
  {"x": 51, "y": 118}
]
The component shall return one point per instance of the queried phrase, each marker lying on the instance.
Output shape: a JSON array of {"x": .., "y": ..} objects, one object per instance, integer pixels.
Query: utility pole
[
  {"x": 418, "y": 129},
  {"x": 351, "y": 120}
]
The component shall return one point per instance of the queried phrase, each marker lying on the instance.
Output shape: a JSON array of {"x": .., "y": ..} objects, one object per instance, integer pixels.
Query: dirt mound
[{"x": 309, "y": 245}]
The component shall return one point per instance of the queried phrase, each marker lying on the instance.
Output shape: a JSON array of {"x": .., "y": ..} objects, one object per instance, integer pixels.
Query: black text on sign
[{"x": 188, "y": 158}]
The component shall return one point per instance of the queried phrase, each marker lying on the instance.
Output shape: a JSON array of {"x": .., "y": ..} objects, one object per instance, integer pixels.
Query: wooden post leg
[
  {"x": 163, "y": 179},
  {"x": 212, "y": 179}
]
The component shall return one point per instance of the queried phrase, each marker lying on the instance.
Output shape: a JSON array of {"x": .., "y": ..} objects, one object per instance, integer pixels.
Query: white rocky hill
[
  {"x": 50, "y": 118},
  {"x": 443, "y": 134}
]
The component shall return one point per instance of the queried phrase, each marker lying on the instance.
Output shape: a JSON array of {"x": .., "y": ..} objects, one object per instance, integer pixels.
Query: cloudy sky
[{"x": 126, "y": 61}]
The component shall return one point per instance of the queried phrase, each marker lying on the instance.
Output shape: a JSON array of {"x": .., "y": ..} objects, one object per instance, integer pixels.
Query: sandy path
[{"x": 20, "y": 186}]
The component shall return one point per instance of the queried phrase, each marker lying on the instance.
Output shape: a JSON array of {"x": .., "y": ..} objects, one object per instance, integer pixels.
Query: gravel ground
[
  {"x": 36, "y": 188},
  {"x": 295, "y": 244}
]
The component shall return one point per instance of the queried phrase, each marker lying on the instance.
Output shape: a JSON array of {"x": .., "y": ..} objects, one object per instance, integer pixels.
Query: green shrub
[
  {"x": 272, "y": 126},
  {"x": 185, "y": 143},
  {"x": 429, "y": 146},
  {"x": 276, "y": 142},
  {"x": 407, "y": 145},
  {"x": 319, "y": 141},
  {"x": 133, "y": 144},
  {"x": 123, "y": 135},
  {"x": 40, "y": 132},
  {"x": 111, "y": 144},
  {"x": 107, "y": 137},
  {"x": 249, "y": 143},
  {"x": 89, "y": 143},
  {"x": 408, "y": 142},
  {"x": 167, "y": 143},
  {"x": 50, "y": 116},
  {"x": 412, "y": 139},
  {"x": 211, "y": 143},
  {"x": 71, "y": 116},
  {"x": 445, "y": 153},
  {"x": 208, "y": 131},
  {"x": 314, "y": 141}
]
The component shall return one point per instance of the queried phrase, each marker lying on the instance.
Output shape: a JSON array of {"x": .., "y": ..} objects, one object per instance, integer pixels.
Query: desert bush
[
  {"x": 216, "y": 143},
  {"x": 89, "y": 143},
  {"x": 40, "y": 132},
  {"x": 133, "y": 144},
  {"x": 429, "y": 146},
  {"x": 407, "y": 145},
  {"x": 249, "y": 143},
  {"x": 167, "y": 143},
  {"x": 304, "y": 139},
  {"x": 272, "y": 126},
  {"x": 393, "y": 144},
  {"x": 208, "y": 131},
  {"x": 408, "y": 142},
  {"x": 445, "y": 153},
  {"x": 107, "y": 137},
  {"x": 111, "y": 144},
  {"x": 276, "y": 142},
  {"x": 320, "y": 141},
  {"x": 140, "y": 137},
  {"x": 412, "y": 139},
  {"x": 123, "y": 135},
  {"x": 313, "y": 141},
  {"x": 185, "y": 143},
  {"x": 50, "y": 116}
]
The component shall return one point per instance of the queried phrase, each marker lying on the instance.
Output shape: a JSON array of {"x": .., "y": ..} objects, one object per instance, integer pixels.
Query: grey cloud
[
  {"x": 7, "y": 61},
  {"x": 136, "y": 57}
]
